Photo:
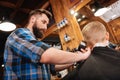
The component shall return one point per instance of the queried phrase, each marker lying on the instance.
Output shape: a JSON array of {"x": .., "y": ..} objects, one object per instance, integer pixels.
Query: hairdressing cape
[{"x": 103, "y": 64}]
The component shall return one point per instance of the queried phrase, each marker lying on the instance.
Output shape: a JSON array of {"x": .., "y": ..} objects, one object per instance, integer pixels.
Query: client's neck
[{"x": 101, "y": 44}]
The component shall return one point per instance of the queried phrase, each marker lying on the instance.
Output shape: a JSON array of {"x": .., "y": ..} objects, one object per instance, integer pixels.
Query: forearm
[
  {"x": 56, "y": 56},
  {"x": 62, "y": 67}
]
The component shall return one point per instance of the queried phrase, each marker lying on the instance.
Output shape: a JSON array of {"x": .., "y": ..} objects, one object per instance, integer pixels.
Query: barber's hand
[{"x": 85, "y": 52}]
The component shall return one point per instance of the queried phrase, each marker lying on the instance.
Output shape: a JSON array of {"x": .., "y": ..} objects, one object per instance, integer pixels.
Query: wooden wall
[
  {"x": 114, "y": 26},
  {"x": 61, "y": 9},
  {"x": 90, "y": 17}
]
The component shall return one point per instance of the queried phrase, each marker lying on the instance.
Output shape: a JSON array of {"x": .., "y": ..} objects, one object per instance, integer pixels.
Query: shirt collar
[{"x": 101, "y": 44}]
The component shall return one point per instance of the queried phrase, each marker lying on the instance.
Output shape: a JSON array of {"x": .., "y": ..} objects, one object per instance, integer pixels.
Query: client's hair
[{"x": 94, "y": 32}]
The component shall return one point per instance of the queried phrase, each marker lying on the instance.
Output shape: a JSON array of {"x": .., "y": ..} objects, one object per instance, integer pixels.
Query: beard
[{"x": 37, "y": 32}]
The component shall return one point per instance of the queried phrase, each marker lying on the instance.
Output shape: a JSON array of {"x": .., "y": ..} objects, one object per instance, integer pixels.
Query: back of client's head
[{"x": 94, "y": 32}]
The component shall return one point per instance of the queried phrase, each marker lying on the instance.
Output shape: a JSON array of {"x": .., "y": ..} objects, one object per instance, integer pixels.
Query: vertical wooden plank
[
  {"x": 57, "y": 9},
  {"x": 61, "y": 10},
  {"x": 73, "y": 29}
]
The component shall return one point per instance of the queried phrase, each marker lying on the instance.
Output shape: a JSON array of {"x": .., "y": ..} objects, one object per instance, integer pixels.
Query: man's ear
[
  {"x": 33, "y": 18},
  {"x": 107, "y": 36}
]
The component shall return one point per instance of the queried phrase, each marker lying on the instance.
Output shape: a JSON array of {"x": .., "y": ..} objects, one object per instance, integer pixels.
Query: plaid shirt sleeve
[{"x": 24, "y": 44}]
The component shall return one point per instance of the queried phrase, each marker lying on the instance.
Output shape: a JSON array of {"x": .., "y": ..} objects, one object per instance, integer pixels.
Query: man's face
[{"x": 40, "y": 25}]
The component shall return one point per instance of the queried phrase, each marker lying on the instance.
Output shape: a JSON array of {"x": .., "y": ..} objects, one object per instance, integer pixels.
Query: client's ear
[{"x": 107, "y": 36}]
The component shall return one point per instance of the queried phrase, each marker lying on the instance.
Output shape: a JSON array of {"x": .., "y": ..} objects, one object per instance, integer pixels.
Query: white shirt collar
[{"x": 101, "y": 44}]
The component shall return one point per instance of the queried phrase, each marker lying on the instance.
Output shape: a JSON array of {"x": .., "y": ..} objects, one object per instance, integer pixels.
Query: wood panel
[
  {"x": 115, "y": 29},
  {"x": 73, "y": 3},
  {"x": 61, "y": 10},
  {"x": 73, "y": 29},
  {"x": 81, "y": 4}
]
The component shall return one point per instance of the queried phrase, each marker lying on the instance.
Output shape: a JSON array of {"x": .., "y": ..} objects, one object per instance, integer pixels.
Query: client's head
[{"x": 94, "y": 32}]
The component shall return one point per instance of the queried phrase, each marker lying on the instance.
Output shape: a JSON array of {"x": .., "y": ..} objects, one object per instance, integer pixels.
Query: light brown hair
[{"x": 94, "y": 32}]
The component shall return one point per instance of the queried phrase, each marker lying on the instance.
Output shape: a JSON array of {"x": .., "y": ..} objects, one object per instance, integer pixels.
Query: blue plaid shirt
[{"x": 22, "y": 55}]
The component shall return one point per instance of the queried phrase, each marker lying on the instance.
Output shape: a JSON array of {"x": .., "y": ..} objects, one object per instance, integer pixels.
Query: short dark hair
[{"x": 40, "y": 11}]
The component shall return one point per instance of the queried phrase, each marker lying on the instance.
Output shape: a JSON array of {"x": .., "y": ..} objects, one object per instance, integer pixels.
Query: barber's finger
[
  {"x": 86, "y": 49},
  {"x": 83, "y": 50}
]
